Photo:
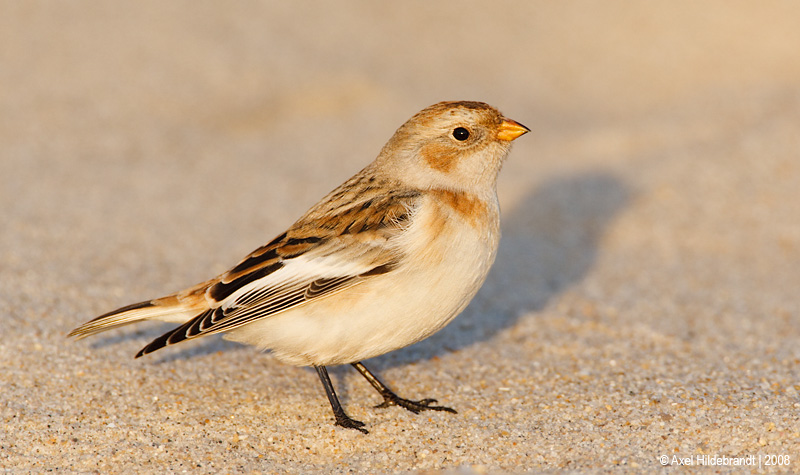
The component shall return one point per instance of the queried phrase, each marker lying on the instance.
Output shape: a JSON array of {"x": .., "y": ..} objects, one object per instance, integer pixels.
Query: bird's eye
[{"x": 461, "y": 134}]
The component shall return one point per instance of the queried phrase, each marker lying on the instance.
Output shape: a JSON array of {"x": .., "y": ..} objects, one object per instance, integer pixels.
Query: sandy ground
[{"x": 644, "y": 302}]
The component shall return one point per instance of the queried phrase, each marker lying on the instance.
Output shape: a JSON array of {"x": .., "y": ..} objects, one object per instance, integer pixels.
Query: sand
[{"x": 644, "y": 303}]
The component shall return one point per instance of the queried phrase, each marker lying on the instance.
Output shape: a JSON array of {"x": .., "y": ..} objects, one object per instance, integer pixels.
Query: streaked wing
[
  {"x": 260, "y": 299},
  {"x": 335, "y": 246},
  {"x": 316, "y": 274}
]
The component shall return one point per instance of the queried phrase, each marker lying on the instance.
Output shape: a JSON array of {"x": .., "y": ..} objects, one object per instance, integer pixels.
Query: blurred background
[
  {"x": 650, "y": 219},
  {"x": 207, "y": 121}
]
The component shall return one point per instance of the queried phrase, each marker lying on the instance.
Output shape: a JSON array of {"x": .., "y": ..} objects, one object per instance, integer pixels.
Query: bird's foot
[
  {"x": 349, "y": 423},
  {"x": 392, "y": 399}
]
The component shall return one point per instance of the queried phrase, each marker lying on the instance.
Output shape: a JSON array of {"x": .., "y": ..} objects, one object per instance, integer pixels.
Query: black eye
[{"x": 461, "y": 134}]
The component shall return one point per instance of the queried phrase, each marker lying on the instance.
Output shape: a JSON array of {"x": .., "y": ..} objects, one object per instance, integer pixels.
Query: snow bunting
[{"x": 385, "y": 260}]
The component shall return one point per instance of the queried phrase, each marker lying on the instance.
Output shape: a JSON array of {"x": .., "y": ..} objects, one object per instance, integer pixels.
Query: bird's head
[{"x": 453, "y": 145}]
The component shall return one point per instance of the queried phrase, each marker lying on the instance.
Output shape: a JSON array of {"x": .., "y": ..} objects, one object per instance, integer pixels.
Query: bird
[{"x": 383, "y": 261}]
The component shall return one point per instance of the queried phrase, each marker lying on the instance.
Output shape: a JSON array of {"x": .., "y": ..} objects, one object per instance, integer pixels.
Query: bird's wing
[{"x": 310, "y": 261}]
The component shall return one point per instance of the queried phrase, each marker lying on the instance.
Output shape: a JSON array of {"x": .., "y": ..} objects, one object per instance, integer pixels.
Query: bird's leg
[
  {"x": 392, "y": 399},
  {"x": 342, "y": 419}
]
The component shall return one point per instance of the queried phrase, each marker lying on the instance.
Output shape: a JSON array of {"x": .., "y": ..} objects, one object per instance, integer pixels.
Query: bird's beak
[{"x": 510, "y": 129}]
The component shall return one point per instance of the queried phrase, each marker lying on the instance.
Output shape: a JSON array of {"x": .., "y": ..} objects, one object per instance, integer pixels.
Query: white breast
[{"x": 448, "y": 256}]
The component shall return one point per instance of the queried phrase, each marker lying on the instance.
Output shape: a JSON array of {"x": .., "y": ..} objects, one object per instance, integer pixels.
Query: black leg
[
  {"x": 392, "y": 399},
  {"x": 342, "y": 419}
]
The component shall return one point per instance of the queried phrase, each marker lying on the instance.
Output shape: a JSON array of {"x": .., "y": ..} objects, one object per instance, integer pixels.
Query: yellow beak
[{"x": 510, "y": 129}]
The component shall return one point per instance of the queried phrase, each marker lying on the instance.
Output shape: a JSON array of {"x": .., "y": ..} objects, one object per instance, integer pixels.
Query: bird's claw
[
  {"x": 349, "y": 423},
  {"x": 414, "y": 406}
]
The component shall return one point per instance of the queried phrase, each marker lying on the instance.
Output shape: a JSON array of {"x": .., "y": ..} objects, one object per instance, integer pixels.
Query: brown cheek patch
[
  {"x": 439, "y": 157},
  {"x": 469, "y": 207}
]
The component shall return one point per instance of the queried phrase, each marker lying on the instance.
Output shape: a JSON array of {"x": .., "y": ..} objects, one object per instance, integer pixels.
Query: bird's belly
[{"x": 385, "y": 313}]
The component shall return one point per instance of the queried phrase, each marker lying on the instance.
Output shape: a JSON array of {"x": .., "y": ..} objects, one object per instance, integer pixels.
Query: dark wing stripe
[
  {"x": 265, "y": 309},
  {"x": 174, "y": 336},
  {"x": 208, "y": 321},
  {"x": 321, "y": 287},
  {"x": 306, "y": 240},
  {"x": 254, "y": 260},
  {"x": 258, "y": 313},
  {"x": 259, "y": 256},
  {"x": 238, "y": 319},
  {"x": 221, "y": 290},
  {"x": 186, "y": 331}
]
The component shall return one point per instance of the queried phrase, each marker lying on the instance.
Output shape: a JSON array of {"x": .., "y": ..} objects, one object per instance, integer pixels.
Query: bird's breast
[{"x": 454, "y": 228}]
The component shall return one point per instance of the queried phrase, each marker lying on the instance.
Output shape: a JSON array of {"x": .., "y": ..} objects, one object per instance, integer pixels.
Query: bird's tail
[{"x": 177, "y": 308}]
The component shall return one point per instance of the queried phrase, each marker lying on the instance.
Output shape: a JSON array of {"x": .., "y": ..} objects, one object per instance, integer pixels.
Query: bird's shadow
[
  {"x": 550, "y": 241},
  {"x": 202, "y": 347}
]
